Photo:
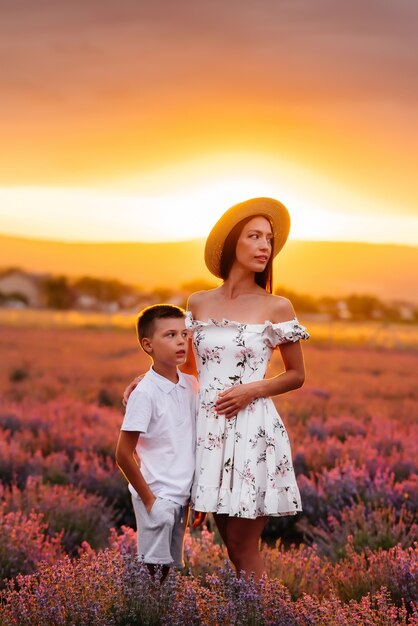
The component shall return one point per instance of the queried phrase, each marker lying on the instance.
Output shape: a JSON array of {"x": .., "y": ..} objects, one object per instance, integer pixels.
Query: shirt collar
[{"x": 163, "y": 383}]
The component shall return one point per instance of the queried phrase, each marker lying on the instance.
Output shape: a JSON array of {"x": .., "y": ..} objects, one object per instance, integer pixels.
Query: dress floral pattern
[{"x": 244, "y": 464}]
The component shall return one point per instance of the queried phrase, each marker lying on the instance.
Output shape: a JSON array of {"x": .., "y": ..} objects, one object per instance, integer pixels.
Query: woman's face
[{"x": 254, "y": 245}]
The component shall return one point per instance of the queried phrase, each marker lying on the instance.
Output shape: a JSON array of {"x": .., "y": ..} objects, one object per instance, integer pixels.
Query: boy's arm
[{"x": 125, "y": 459}]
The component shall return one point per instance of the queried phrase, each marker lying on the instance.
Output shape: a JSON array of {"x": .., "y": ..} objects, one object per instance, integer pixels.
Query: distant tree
[
  {"x": 328, "y": 304},
  {"x": 103, "y": 290},
  {"x": 301, "y": 302},
  {"x": 58, "y": 293},
  {"x": 9, "y": 270},
  {"x": 363, "y": 307},
  {"x": 162, "y": 294},
  {"x": 197, "y": 285}
]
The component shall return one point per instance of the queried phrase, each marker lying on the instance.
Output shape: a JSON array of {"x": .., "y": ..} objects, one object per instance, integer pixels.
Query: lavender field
[{"x": 67, "y": 539}]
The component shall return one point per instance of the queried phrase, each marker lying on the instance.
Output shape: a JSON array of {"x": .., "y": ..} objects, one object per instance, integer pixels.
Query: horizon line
[{"x": 46, "y": 240}]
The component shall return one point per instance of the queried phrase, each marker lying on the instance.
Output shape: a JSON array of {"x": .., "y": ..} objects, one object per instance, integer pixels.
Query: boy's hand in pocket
[{"x": 150, "y": 504}]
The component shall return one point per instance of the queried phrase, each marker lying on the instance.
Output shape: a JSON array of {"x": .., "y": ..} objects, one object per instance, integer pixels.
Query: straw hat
[{"x": 273, "y": 210}]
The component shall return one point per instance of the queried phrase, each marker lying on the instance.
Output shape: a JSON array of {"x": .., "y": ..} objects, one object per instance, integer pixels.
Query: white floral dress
[{"x": 244, "y": 464}]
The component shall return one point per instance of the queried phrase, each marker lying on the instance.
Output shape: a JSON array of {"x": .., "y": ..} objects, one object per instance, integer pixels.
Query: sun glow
[{"x": 183, "y": 201}]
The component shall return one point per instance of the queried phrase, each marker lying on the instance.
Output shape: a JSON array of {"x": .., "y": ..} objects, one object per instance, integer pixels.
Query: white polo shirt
[{"x": 165, "y": 415}]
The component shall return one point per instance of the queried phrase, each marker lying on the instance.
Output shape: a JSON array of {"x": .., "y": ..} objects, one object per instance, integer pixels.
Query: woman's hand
[
  {"x": 129, "y": 389},
  {"x": 234, "y": 399},
  {"x": 198, "y": 518}
]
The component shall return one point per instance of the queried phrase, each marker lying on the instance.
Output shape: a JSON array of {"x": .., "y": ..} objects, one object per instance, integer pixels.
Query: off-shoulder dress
[{"x": 244, "y": 464}]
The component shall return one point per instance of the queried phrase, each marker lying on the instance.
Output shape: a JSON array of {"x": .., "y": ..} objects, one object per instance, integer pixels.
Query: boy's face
[{"x": 168, "y": 344}]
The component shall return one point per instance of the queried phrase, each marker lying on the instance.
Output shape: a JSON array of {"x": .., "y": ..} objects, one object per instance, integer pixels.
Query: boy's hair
[{"x": 146, "y": 318}]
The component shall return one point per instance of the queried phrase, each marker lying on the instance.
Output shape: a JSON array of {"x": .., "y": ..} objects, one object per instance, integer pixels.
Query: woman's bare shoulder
[
  {"x": 281, "y": 309},
  {"x": 198, "y": 297}
]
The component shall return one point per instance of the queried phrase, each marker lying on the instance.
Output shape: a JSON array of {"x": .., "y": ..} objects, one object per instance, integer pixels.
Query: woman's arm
[
  {"x": 189, "y": 366},
  {"x": 129, "y": 389},
  {"x": 234, "y": 399},
  {"x": 125, "y": 459},
  {"x": 292, "y": 378}
]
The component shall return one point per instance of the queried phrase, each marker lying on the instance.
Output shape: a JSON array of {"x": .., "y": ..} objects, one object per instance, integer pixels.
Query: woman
[{"x": 244, "y": 469}]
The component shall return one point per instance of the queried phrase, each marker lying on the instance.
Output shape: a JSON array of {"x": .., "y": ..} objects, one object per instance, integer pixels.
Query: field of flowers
[{"x": 66, "y": 540}]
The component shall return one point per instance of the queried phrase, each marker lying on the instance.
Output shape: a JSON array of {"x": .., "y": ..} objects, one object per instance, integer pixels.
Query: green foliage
[
  {"x": 58, "y": 293},
  {"x": 301, "y": 302},
  {"x": 197, "y": 285},
  {"x": 103, "y": 290},
  {"x": 356, "y": 307}
]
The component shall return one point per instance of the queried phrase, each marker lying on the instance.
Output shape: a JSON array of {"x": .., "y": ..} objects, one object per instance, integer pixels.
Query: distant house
[
  {"x": 343, "y": 312},
  {"x": 407, "y": 311},
  {"x": 86, "y": 302},
  {"x": 17, "y": 285}
]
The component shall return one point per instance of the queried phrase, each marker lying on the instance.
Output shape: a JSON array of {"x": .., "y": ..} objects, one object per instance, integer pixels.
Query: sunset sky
[{"x": 129, "y": 120}]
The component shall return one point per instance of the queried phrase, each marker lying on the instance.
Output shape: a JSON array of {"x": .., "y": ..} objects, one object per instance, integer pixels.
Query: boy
[{"x": 156, "y": 446}]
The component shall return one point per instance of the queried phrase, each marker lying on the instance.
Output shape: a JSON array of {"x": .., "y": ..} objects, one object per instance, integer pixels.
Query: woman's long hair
[{"x": 265, "y": 278}]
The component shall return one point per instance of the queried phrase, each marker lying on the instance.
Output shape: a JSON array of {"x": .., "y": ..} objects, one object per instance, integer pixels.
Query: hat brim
[{"x": 274, "y": 210}]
